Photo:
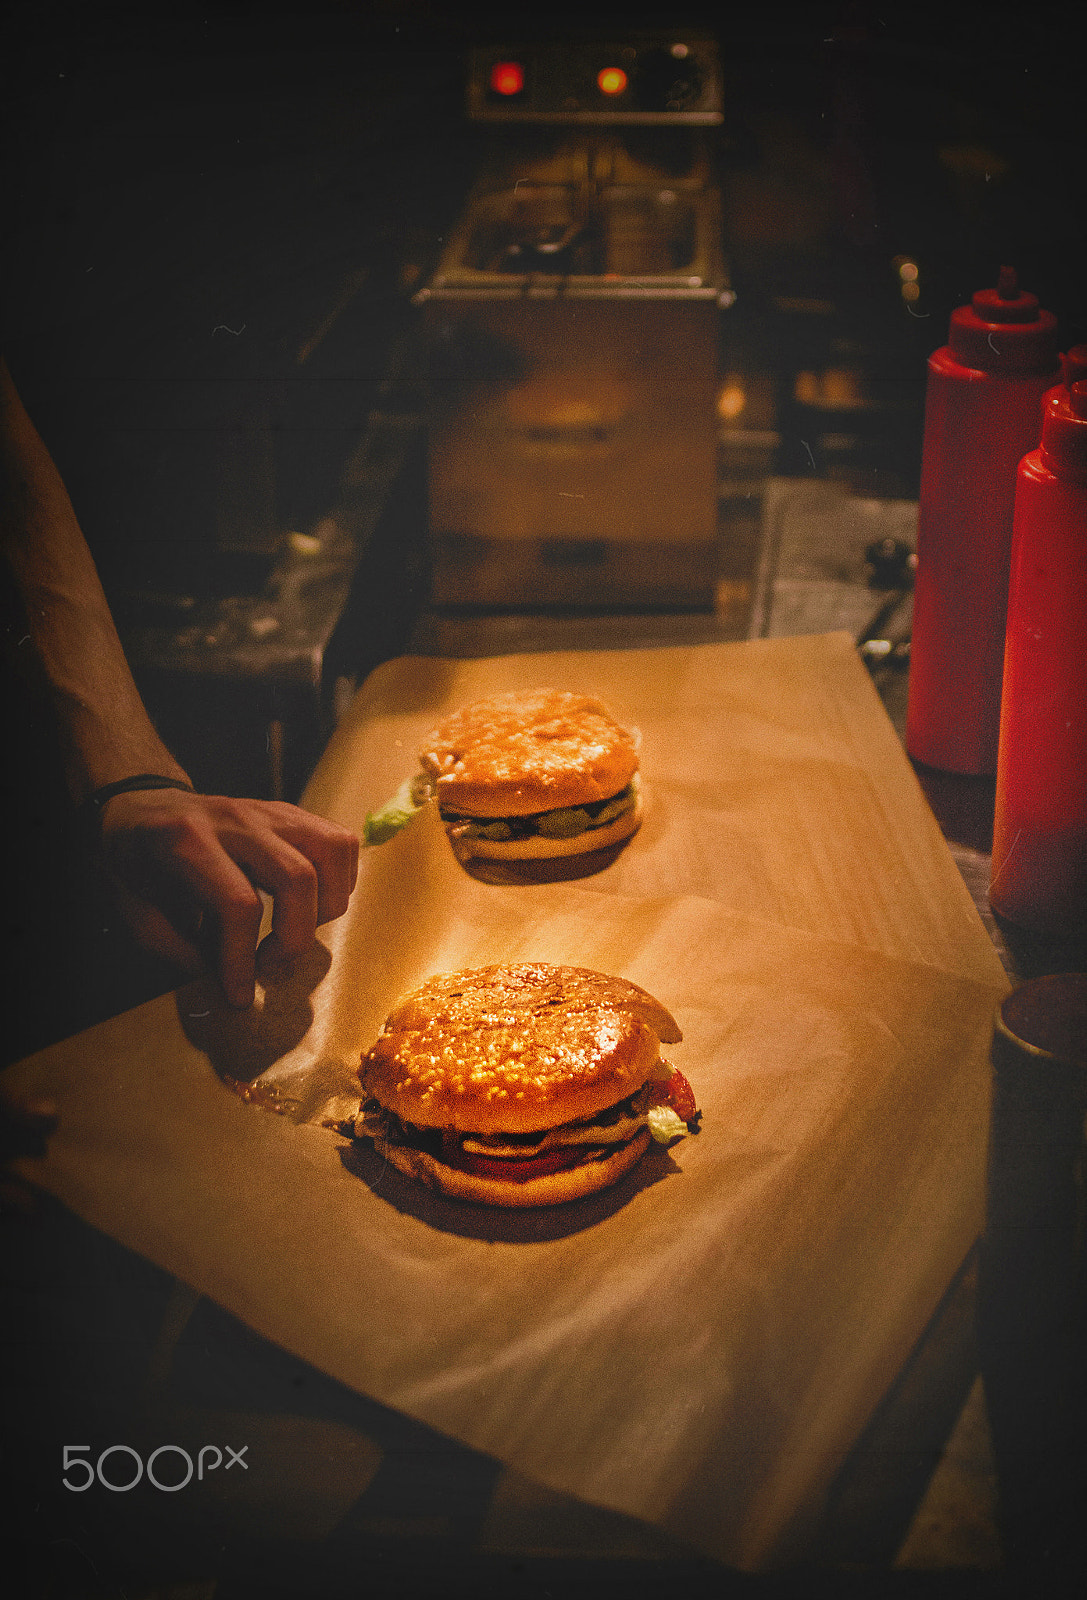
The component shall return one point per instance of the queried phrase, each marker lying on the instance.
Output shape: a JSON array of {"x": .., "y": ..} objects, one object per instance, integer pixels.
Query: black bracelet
[{"x": 90, "y": 812}]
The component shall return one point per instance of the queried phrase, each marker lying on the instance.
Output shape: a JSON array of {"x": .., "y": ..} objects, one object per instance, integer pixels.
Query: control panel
[{"x": 664, "y": 80}]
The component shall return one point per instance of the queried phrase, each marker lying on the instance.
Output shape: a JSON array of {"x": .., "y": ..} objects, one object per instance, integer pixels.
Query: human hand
[{"x": 187, "y": 867}]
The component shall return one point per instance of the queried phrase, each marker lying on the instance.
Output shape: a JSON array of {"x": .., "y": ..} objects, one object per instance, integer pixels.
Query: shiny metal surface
[{"x": 572, "y": 427}]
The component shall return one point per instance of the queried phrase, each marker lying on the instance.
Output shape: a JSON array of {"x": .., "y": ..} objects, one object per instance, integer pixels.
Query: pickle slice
[{"x": 564, "y": 823}]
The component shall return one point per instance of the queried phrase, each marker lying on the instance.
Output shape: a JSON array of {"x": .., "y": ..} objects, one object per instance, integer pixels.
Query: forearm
[
  {"x": 185, "y": 864},
  {"x": 104, "y": 726}
]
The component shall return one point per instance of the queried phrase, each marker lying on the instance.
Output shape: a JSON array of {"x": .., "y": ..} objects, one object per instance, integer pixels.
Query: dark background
[{"x": 176, "y": 174}]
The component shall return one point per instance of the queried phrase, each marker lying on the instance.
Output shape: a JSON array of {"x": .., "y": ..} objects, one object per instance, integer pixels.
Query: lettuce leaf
[
  {"x": 387, "y": 821},
  {"x": 665, "y": 1125}
]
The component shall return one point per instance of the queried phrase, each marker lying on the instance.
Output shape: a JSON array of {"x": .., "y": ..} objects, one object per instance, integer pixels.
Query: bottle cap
[
  {"x": 1074, "y": 365},
  {"x": 1064, "y": 432},
  {"x": 1004, "y": 330}
]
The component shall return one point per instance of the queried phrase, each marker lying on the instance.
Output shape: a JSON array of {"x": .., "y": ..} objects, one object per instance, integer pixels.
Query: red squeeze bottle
[
  {"x": 983, "y": 406},
  {"x": 1073, "y": 368},
  {"x": 1039, "y": 867}
]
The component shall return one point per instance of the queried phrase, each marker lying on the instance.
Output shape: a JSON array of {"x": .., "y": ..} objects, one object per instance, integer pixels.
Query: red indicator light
[
  {"x": 612, "y": 80},
  {"x": 507, "y": 77}
]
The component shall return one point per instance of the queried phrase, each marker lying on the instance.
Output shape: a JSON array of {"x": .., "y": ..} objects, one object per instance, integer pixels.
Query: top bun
[
  {"x": 529, "y": 751},
  {"x": 515, "y": 1049}
]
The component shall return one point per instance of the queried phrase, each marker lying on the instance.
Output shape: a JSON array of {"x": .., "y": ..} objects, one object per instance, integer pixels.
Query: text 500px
[{"x": 168, "y": 1468}]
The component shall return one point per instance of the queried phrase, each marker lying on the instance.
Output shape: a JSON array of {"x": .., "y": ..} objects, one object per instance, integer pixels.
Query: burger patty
[
  {"x": 456, "y": 1150},
  {"x": 538, "y": 1166},
  {"x": 519, "y": 1156},
  {"x": 565, "y": 822},
  {"x": 582, "y": 1140}
]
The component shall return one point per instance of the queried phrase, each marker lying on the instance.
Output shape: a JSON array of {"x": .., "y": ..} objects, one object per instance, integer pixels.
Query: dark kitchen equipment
[{"x": 573, "y": 330}]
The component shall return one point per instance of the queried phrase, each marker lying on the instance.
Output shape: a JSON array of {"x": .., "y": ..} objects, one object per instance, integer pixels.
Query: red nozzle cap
[
  {"x": 1007, "y": 302},
  {"x": 1064, "y": 433},
  {"x": 1004, "y": 330},
  {"x": 1074, "y": 365}
]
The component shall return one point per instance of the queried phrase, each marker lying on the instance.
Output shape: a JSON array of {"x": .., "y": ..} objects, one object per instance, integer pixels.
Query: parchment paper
[
  {"x": 700, "y": 1346},
  {"x": 774, "y": 784}
]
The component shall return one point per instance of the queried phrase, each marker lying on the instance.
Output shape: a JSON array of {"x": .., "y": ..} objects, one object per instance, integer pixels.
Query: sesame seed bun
[
  {"x": 517, "y": 1051},
  {"x": 518, "y": 754}
]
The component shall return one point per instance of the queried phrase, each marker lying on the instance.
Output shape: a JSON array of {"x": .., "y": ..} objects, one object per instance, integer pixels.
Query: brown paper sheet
[
  {"x": 700, "y": 1346},
  {"x": 774, "y": 784}
]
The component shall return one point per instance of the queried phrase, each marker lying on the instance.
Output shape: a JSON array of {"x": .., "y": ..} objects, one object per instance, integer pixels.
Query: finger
[
  {"x": 333, "y": 851},
  {"x": 352, "y": 864},
  {"x": 337, "y": 879},
  {"x": 231, "y": 902},
  {"x": 237, "y": 915},
  {"x": 290, "y": 878}
]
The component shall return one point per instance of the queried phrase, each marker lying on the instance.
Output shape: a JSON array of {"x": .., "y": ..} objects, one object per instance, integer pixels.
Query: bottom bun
[
  {"x": 539, "y": 848},
  {"x": 550, "y": 1189}
]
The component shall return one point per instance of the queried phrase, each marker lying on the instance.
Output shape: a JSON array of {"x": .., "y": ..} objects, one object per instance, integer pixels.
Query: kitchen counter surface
[{"x": 916, "y": 1502}]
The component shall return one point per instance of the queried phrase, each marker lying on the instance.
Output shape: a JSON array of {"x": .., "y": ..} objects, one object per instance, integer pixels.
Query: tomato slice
[
  {"x": 681, "y": 1097},
  {"x": 516, "y": 1169},
  {"x": 677, "y": 1093}
]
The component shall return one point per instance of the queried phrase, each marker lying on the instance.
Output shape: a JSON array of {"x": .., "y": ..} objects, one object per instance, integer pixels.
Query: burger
[
  {"x": 524, "y": 1085},
  {"x": 525, "y": 776}
]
